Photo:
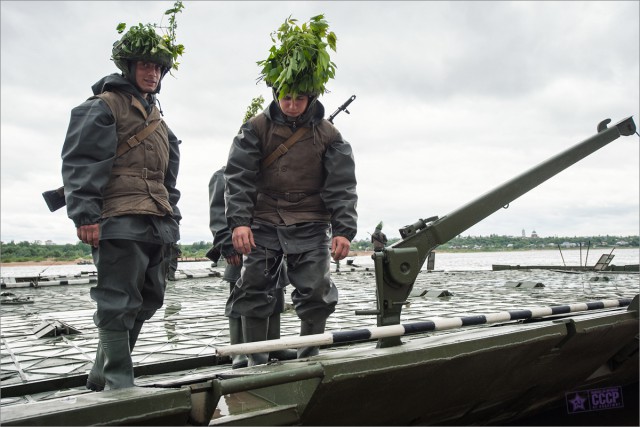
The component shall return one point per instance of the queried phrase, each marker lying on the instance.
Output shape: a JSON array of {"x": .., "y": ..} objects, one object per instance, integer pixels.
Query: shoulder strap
[
  {"x": 283, "y": 148},
  {"x": 137, "y": 138}
]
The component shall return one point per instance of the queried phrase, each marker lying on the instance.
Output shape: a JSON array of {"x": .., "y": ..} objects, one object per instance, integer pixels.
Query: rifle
[
  {"x": 343, "y": 107},
  {"x": 54, "y": 198}
]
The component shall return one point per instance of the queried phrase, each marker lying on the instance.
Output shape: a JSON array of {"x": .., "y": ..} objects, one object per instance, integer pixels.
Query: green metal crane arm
[{"x": 398, "y": 265}]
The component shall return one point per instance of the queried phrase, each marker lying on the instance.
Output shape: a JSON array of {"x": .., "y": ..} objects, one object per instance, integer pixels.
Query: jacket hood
[
  {"x": 116, "y": 82},
  {"x": 311, "y": 117}
]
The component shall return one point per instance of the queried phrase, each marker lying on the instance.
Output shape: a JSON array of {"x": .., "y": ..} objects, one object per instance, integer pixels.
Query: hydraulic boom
[{"x": 397, "y": 266}]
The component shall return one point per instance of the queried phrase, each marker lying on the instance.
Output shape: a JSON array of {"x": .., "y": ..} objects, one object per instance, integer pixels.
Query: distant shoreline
[
  {"x": 49, "y": 262},
  {"x": 36, "y": 263}
]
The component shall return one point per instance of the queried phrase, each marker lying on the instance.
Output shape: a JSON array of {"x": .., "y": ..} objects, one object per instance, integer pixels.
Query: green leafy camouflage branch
[
  {"x": 143, "y": 37},
  {"x": 301, "y": 63}
]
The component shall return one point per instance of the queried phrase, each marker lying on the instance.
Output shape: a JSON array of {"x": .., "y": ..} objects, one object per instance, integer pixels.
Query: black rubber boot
[
  {"x": 255, "y": 329},
  {"x": 235, "y": 337},
  {"x": 274, "y": 334},
  {"x": 118, "y": 367},
  {"x": 95, "y": 379},
  {"x": 310, "y": 328}
]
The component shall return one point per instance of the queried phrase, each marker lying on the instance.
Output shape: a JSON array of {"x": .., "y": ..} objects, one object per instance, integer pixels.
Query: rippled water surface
[{"x": 447, "y": 261}]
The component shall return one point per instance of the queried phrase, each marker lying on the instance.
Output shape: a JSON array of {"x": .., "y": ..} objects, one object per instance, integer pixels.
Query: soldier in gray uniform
[
  {"x": 119, "y": 168},
  {"x": 378, "y": 238},
  {"x": 222, "y": 246},
  {"x": 296, "y": 204}
]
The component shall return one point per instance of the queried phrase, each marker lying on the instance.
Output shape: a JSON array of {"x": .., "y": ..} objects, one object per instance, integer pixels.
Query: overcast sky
[{"x": 453, "y": 99}]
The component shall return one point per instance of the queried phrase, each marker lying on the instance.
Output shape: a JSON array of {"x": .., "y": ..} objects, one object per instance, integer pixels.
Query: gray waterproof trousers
[
  {"x": 131, "y": 282},
  {"x": 314, "y": 297}
]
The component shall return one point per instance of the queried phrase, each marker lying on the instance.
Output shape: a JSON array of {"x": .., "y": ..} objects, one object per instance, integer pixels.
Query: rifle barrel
[{"x": 343, "y": 107}]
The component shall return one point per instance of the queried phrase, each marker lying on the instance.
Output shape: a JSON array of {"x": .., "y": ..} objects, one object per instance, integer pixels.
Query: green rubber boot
[
  {"x": 274, "y": 334},
  {"x": 235, "y": 337},
  {"x": 134, "y": 333},
  {"x": 118, "y": 367},
  {"x": 255, "y": 329},
  {"x": 95, "y": 379},
  {"x": 310, "y": 328}
]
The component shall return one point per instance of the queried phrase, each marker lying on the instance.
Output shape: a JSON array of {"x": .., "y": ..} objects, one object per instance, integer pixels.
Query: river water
[
  {"x": 191, "y": 322},
  {"x": 484, "y": 260},
  {"x": 447, "y": 261}
]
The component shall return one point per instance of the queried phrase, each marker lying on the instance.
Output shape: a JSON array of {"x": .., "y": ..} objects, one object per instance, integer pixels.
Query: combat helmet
[
  {"x": 301, "y": 63},
  {"x": 153, "y": 49},
  {"x": 143, "y": 43}
]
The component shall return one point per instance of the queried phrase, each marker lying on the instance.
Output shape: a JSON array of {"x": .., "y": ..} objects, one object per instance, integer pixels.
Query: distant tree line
[
  {"x": 494, "y": 242},
  {"x": 36, "y": 251},
  {"x": 26, "y": 251}
]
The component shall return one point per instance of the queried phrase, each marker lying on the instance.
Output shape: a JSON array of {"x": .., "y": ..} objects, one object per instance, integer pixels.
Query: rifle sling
[
  {"x": 283, "y": 148},
  {"x": 137, "y": 138}
]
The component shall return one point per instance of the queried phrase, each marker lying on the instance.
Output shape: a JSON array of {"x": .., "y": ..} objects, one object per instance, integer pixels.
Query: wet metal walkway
[{"x": 191, "y": 324}]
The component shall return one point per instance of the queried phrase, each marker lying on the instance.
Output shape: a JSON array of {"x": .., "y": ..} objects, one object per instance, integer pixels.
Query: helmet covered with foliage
[
  {"x": 142, "y": 43},
  {"x": 379, "y": 226},
  {"x": 301, "y": 63}
]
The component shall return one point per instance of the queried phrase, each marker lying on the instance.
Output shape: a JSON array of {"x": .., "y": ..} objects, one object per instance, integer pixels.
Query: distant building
[
  {"x": 534, "y": 235},
  {"x": 523, "y": 233}
]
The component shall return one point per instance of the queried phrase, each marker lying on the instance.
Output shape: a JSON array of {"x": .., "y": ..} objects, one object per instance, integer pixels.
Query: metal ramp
[{"x": 603, "y": 262}]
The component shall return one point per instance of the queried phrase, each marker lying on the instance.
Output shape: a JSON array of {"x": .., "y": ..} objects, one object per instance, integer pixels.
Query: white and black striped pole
[{"x": 428, "y": 325}]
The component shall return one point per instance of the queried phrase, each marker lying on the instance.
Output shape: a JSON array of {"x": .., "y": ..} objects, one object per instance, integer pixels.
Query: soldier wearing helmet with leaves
[
  {"x": 119, "y": 167},
  {"x": 378, "y": 238},
  {"x": 291, "y": 189}
]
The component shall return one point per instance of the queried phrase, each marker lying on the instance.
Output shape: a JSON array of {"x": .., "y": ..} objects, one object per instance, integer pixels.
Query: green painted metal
[
  {"x": 398, "y": 266},
  {"x": 129, "y": 406},
  {"x": 461, "y": 379},
  {"x": 456, "y": 378}
]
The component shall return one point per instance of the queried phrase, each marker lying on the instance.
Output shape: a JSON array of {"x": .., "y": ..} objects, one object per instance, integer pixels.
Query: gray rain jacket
[
  {"x": 217, "y": 221},
  {"x": 322, "y": 156},
  {"x": 88, "y": 156}
]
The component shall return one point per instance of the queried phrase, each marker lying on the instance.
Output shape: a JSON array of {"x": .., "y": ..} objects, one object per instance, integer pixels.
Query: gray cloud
[{"x": 453, "y": 98}]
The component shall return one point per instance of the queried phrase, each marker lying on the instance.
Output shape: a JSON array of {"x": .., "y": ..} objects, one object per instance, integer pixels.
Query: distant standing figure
[{"x": 378, "y": 238}]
